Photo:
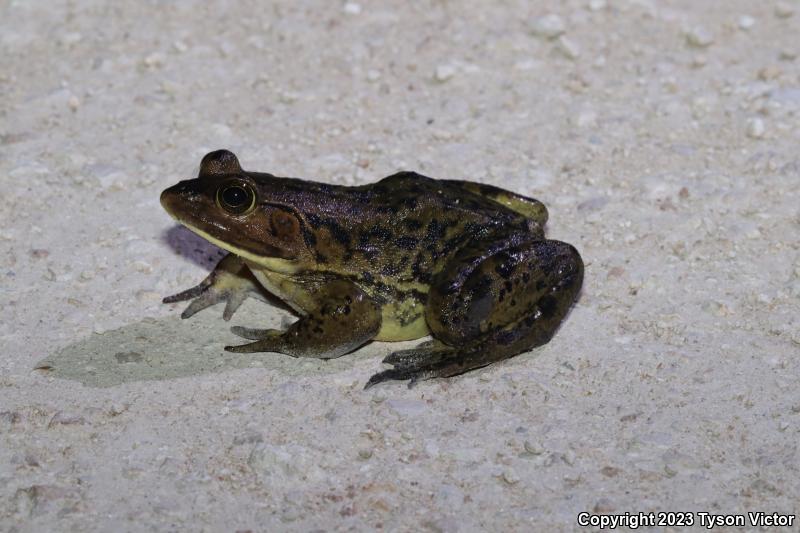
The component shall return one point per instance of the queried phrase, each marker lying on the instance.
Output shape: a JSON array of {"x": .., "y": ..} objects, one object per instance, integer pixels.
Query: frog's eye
[{"x": 236, "y": 198}]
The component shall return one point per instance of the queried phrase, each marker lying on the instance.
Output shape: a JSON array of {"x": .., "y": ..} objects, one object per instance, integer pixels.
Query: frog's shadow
[
  {"x": 193, "y": 247},
  {"x": 169, "y": 348}
]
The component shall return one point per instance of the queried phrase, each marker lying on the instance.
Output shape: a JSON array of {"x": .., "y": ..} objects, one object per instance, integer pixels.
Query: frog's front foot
[{"x": 230, "y": 282}]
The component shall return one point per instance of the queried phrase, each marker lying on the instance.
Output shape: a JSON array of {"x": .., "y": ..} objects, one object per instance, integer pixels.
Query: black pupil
[{"x": 234, "y": 196}]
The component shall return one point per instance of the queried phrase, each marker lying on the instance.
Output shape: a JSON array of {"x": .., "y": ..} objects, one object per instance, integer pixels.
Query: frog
[{"x": 407, "y": 257}]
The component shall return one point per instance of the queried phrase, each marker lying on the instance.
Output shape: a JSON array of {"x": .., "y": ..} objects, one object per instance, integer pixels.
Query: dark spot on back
[
  {"x": 435, "y": 231},
  {"x": 406, "y": 242},
  {"x": 309, "y": 237},
  {"x": 338, "y": 232},
  {"x": 548, "y": 306},
  {"x": 412, "y": 224},
  {"x": 314, "y": 220},
  {"x": 505, "y": 268}
]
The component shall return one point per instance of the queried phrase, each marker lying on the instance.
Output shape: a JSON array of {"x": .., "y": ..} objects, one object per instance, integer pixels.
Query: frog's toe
[
  {"x": 234, "y": 300},
  {"x": 207, "y": 299},
  {"x": 428, "y": 360},
  {"x": 269, "y": 344},
  {"x": 188, "y": 294},
  {"x": 386, "y": 375},
  {"x": 254, "y": 334},
  {"x": 400, "y": 374}
]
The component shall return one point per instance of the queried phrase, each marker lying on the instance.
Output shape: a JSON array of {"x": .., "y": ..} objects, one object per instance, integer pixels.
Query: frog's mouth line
[{"x": 275, "y": 264}]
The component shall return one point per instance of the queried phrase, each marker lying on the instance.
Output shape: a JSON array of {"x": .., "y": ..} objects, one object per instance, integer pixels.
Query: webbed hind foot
[{"x": 427, "y": 361}]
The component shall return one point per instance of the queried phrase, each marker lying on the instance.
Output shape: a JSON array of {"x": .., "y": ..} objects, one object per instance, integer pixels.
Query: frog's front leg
[
  {"x": 345, "y": 319},
  {"x": 231, "y": 281},
  {"x": 491, "y": 304}
]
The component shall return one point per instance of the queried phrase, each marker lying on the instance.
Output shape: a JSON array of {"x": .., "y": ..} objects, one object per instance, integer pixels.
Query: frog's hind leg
[
  {"x": 524, "y": 205},
  {"x": 508, "y": 303}
]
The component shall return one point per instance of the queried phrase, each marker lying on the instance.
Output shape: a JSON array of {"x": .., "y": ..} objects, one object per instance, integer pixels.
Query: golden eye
[{"x": 236, "y": 198}]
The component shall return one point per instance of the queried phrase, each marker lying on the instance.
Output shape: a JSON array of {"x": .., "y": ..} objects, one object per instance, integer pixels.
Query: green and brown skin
[{"x": 399, "y": 259}]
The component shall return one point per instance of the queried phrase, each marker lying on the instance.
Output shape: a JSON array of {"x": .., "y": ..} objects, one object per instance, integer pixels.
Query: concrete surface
[{"x": 662, "y": 135}]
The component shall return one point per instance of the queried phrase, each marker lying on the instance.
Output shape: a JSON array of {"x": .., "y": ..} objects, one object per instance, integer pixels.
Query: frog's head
[{"x": 227, "y": 206}]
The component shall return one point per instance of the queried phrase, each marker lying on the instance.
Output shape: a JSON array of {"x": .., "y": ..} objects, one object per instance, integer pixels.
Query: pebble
[
  {"x": 10, "y": 418},
  {"x": 527, "y": 64},
  {"x": 699, "y": 37},
  {"x": 154, "y": 60},
  {"x": 770, "y": 72},
  {"x": 450, "y": 496},
  {"x": 352, "y": 8},
  {"x": 143, "y": 266},
  {"x": 746, "y": 22},
  {"x": 116, "y": 409},
  {"x": 533, "y": 448},
  {"x": 597, "y": 5},
  {"x": 69, "y": 39},
  {"x": 755, "y": 128},
  {"x": 784, "y": 10},
  {"x": 603, "y": 506},
  {"x": 379, "y": 397},
  {"x": 444, "y": 72},
  {"x": 586, "y": 118},
  {"x": 364, "y": 454},
  {"x": 407, "y": 407},
  {"x": 248, "y": 437},
  {"x": 787, "y": 54},
  {"x": 373, "y": 75},
  {"x": 548, "y": 26},
  {"x": 66, "y": 419},
  {"x": 568, "y": 48},
  {"x": 510, "y": 477}
]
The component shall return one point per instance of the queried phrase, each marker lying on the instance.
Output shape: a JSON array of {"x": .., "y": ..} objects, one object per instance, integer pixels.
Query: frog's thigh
[
  {"x": 487, "y": 310},
  {"x": 344, "y": 319},
  {"x": 516, "y": 297}
]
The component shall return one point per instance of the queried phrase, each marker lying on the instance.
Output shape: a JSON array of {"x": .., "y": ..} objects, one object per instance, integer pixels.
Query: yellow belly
[{"x": 403, "y": 321}]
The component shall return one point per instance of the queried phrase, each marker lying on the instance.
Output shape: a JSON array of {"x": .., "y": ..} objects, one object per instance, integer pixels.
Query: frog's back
[
  {"x": 467, "y": 197},
  {"x": 408, "y": 225}
]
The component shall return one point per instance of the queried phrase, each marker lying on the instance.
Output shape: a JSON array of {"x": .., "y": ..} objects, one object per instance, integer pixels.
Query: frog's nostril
[{"x": 172, "y": 196}]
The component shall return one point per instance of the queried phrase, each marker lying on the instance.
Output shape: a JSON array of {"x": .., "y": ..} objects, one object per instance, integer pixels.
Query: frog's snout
[{"x": 178, "y": 197}]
